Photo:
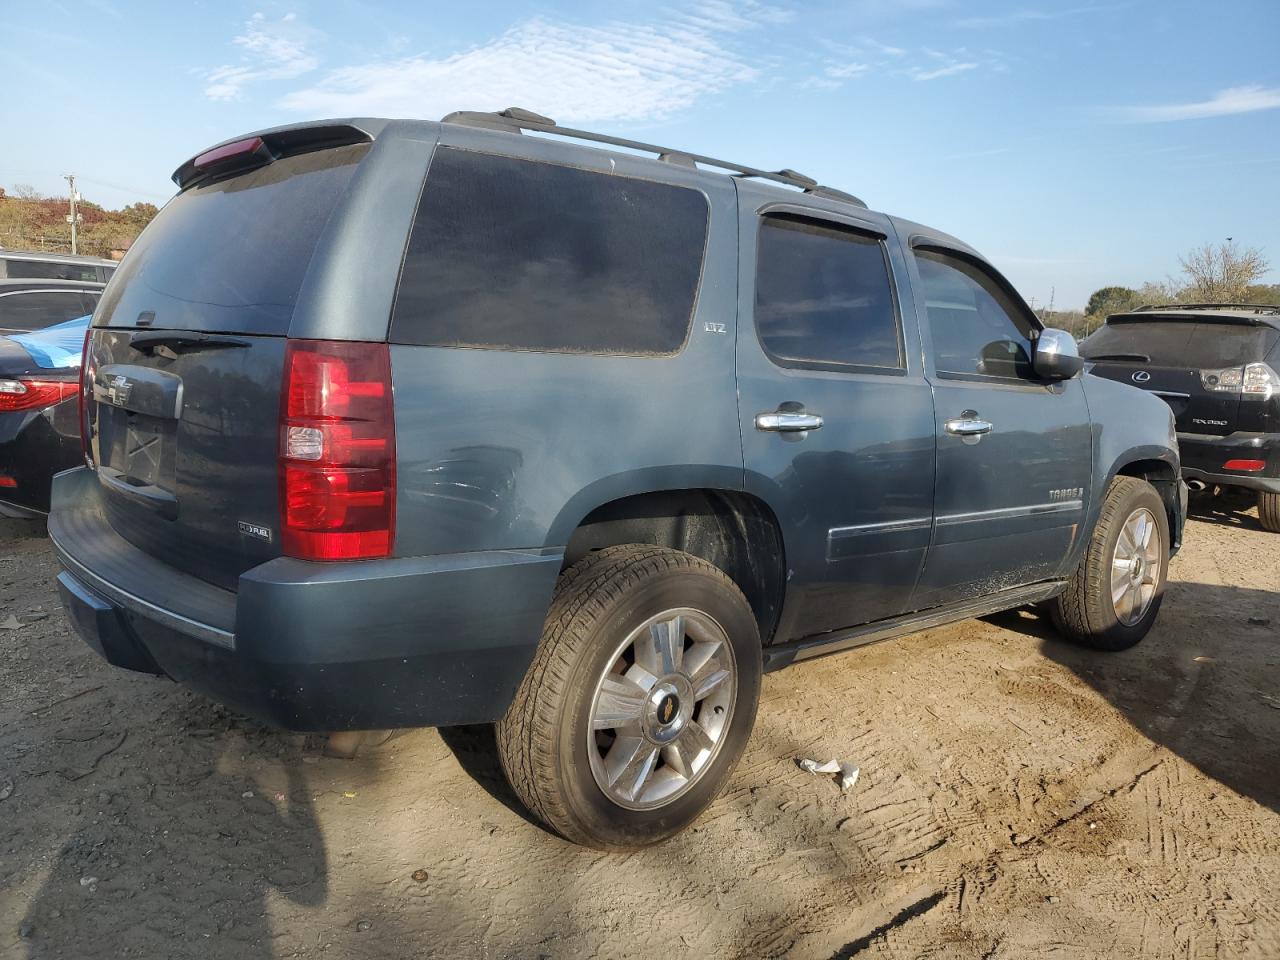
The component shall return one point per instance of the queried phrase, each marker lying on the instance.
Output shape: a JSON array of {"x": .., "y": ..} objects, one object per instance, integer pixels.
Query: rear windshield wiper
[
  {"x": 170, "y": 343},
  {"x": 1138, "y": 357}
]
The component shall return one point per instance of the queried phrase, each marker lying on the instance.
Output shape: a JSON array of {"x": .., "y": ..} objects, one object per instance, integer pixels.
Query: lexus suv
[
  {"x": 1215, "y": 365},
  {"x": 401, "y": 423}
]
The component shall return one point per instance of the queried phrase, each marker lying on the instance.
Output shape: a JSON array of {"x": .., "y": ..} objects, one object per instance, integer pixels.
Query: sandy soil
[{"x": 1018, "y": 798}]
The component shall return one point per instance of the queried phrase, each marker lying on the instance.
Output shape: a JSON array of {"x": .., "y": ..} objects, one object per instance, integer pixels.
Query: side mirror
[{"x": 1057, "y": 356}]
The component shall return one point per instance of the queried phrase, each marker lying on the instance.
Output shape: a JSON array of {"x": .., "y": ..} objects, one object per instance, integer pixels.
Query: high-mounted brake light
[
  {"x": 337, "y": 451},
  {"x": 24, "y": 394},
  {"x": 228, "y": 151}
]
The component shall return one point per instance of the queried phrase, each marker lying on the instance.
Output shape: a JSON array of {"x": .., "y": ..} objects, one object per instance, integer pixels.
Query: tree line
[
  {"x": 1212, "y": 273},
  {"x": 32, "y": 221}
]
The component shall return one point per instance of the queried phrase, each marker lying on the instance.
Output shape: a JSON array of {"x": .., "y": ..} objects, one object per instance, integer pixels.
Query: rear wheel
[
  {"x": 639, "y": 700},
  {"x": 1114, "y": 596},
  {"x": 1269, "y": 510}
]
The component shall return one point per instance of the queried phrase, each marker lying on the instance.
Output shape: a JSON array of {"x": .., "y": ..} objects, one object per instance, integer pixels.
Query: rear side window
[
  {"x": 978, "y": 329},
  {"x": 1180, "y": 343},
  {"x": 230, "y": 256},
  {"x": 823, "y": 297},
  {"x": 48, "y": 270},
  {"x": 43, "y": 308},
  {"x": 514, "y": 254}
]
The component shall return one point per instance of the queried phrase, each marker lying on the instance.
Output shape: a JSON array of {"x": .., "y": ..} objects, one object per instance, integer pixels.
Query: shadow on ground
[{"x": 1214, "y": 702}]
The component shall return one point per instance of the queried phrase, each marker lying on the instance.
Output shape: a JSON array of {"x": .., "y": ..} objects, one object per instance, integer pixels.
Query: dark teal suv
[{"x": 395, "y": 423}]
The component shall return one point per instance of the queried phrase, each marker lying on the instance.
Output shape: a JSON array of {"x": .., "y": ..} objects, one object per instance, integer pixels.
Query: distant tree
[
  {"x": 1266, "y": 293},
  {"x": 24, "y": 191},
  {"x": 1111, "y": 300},
  {"x": 1167, "y": 290},
  {"x": 1222, "y": 273}
]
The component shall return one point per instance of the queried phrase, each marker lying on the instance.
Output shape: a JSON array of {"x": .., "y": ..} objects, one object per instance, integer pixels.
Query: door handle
[
  {"x": 782, "y": 422},
  {"x": 968, "y": 425}
]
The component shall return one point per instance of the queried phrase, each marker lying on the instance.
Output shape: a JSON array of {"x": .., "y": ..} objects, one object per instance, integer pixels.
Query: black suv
[
  {"x": 396, "y": 423},
  {"x": 1215, "y": 365}
]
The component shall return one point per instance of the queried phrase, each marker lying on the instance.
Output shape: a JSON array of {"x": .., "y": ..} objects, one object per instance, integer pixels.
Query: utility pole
[{"x": 73, "y": 218}]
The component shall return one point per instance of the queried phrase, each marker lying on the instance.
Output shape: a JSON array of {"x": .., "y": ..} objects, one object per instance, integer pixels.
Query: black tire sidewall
[
  {"x": 605, "y": 823},
  {"x": 1113, "y": 634}
]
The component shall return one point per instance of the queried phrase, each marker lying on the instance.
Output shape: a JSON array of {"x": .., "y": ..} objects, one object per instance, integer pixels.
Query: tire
[
  {"x": 1269, "y": 510},
  {"x": 560, "y": 766},
  {"x": 1086, "y": 612}
]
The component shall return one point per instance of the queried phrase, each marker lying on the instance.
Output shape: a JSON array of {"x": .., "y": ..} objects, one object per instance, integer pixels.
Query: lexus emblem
[{"x": 1141, "y": 376}]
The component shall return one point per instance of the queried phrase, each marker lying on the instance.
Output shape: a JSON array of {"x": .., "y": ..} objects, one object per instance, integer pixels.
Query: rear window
[
  {"x": 823, "y": 297},
  {"x": 231, "y": 256},
  {"x": 1180, "y": 343},
  {"x": 39, "y": 309},
  {"x": 514, "y": 254},
  {"x": 16, "y": 269}
]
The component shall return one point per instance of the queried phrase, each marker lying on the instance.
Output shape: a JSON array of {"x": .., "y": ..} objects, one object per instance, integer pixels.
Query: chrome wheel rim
[
  {"x": 1135, "y": 567},
  {"x": 661, "y": 709}
]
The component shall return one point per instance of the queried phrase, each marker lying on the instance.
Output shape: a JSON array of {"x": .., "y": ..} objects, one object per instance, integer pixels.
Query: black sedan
[{"x": 39, "y": 414}]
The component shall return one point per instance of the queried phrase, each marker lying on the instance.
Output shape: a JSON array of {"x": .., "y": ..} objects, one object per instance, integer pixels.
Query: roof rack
[
  {"x": 516, "y": 119},
  {"x": 1254, "y": 307}
]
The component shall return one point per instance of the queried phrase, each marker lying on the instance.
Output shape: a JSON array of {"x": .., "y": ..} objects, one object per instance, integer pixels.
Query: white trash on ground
[{"x": 848, "y": 771}]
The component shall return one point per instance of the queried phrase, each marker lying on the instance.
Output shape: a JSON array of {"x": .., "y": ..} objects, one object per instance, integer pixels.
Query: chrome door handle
[
  {"x": 788, "y": 422},
  {"x": 968, "y": 427}
]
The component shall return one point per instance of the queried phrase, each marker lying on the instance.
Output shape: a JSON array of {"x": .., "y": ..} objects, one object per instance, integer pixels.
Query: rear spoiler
[
  {"x": 1242, "y": 319},
  {"x": 259, "y": 149}
]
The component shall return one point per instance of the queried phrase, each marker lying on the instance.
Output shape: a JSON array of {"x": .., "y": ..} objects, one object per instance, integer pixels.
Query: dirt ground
[{"x": 1018, "y": 798}]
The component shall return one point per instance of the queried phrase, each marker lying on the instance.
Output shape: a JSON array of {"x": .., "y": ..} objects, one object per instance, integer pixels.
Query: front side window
[
  {"x": 978, "y": 328},
  {"x": 824, "y": 298},
  {"x": 512, "y": 254}
]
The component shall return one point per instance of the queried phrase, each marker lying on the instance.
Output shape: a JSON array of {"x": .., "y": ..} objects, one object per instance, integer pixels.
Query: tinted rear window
[
  {"x": 823, "y": 297},
  {"x": 16, "y": 269},
  {"x": 1180, "y": 343},
  {"x": 40, "y": 309},
  {"x": 519, "y": 255},
  {"x": 230, "y": 256}
]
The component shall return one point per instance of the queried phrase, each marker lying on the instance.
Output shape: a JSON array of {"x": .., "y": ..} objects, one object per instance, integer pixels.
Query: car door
[
  {"x": 1014, "y": 452},
  {"x": 835, "y": 412}
]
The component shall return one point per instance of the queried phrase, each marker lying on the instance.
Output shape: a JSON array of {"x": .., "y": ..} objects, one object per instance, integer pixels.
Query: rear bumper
[
  {"x": 422, "y": 641},
  {"x": 1203, "y": 458}
]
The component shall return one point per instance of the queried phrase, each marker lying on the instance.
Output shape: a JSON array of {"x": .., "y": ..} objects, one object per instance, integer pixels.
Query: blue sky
[{"x": 1075, "y": 144}]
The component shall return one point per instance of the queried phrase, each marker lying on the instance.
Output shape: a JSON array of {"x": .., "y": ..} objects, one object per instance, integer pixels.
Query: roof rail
[
  {"x": 1255, "y": 307},
  {"x": 516, "y": 119}
]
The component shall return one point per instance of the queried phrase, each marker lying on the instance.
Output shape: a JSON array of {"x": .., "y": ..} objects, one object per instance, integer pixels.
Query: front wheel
[
  {"x": 639, "y": 700},
  {"x": 1114, "y": 596},
  {"x": 1269, "y": 510}
]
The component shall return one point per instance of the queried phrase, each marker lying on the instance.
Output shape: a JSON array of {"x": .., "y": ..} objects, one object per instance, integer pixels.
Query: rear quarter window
[
  {"x": 230, "y": 256},
  {"x": 513, "y": 254}
]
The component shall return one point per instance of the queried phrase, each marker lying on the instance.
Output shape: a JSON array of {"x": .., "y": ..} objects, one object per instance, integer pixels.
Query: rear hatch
[
  {"x": 188, "y": 354},
  {"x": 1194, "y": 363}
]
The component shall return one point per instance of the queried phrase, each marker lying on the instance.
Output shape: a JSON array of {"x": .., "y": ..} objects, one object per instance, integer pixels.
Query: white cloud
[
  {"x": 621, "y": 70},
  {"x": 949, "y": 70},
  {"x": 270, "y": 50},
  {"x": 1027, "y": 15},
  {"x": 1225, "y": 103}
]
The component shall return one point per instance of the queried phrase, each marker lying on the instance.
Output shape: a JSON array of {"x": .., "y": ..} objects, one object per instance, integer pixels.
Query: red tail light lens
[
  {"x": 25, "y": 394},
  {"x": 337, "y": 451},
  {"x": 1248, "y": 466},
  {"x": 87, "y": 371}
]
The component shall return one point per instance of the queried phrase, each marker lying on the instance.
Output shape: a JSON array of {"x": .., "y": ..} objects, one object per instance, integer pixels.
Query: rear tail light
[
  {"x": 1227, "y": 380},
  {"x": 1246, "y": 466},
  {"x": 337, "y": 451},
  {"x": 87, "y": 371},
  {"x": 1260, "y": 381},
  {"x": 1257, "y": 381},
  {"x": 33, "y": 394},
  {"x": 7, "y": 482}
]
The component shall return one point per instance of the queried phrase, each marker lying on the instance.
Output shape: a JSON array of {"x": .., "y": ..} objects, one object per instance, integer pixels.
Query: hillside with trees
[{"x": 32, "y": 221}]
